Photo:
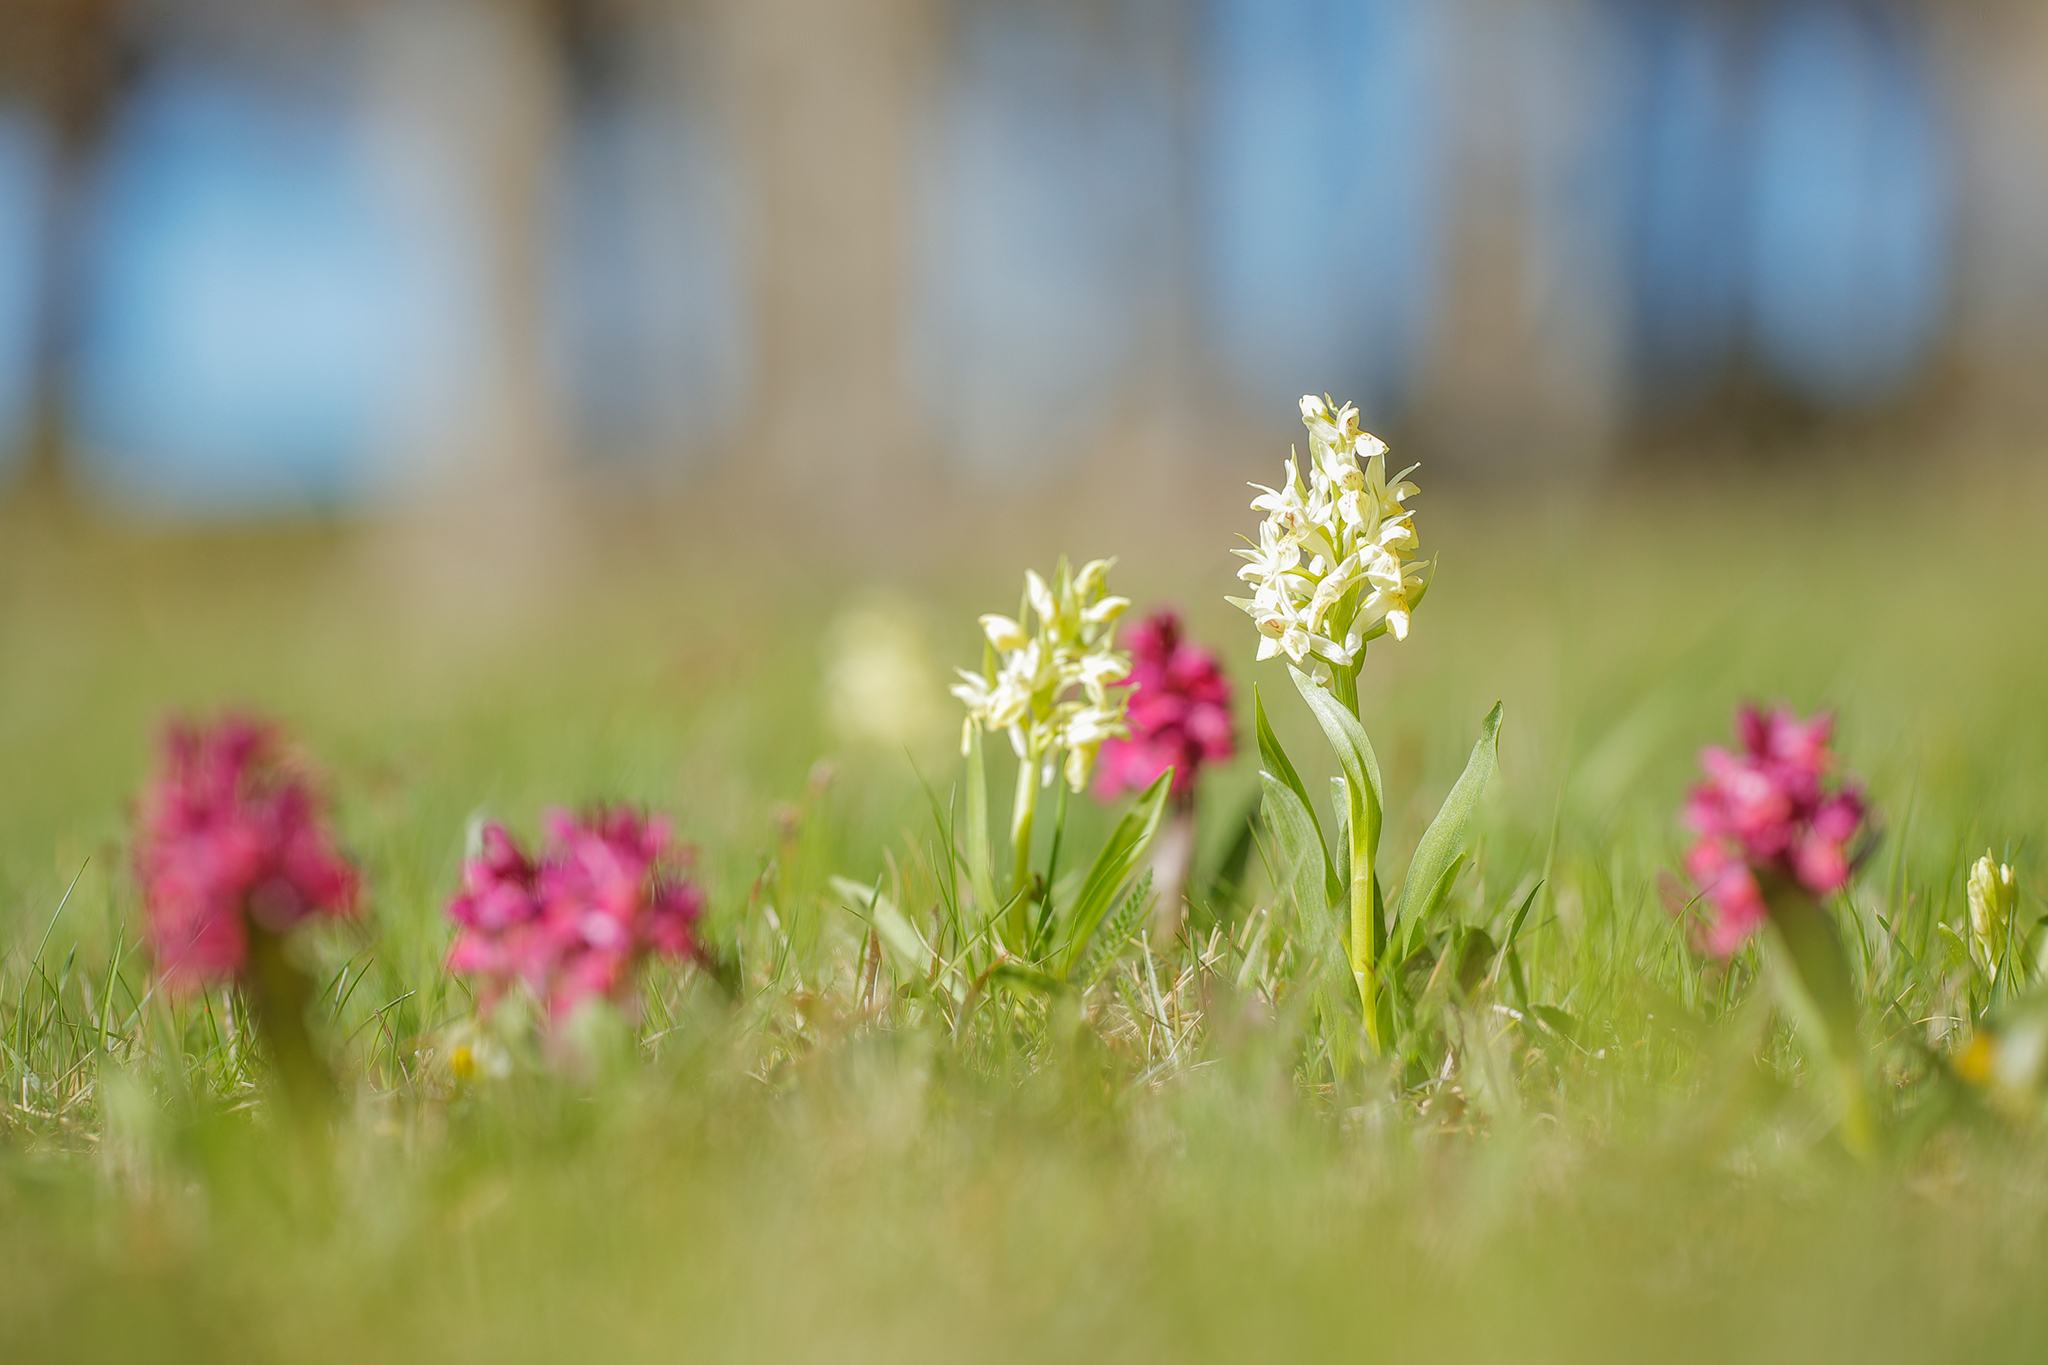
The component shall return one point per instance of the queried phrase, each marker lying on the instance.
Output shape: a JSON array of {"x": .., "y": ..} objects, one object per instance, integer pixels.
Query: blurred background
[{"x": 280, "y": 256}]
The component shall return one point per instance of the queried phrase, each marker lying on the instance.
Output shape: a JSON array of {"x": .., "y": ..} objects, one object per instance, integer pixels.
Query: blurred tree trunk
[
  {"x": 826, "y": 95},
  {"x": 63, "y": 58},
  {"x": 470, "y": 103},
  {"x": 1526, "y": 368},
  {"x": 1995, "y": 54}
]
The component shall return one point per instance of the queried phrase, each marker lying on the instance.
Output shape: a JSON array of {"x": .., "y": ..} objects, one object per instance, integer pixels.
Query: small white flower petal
[{"x": 1005, "y": 634}]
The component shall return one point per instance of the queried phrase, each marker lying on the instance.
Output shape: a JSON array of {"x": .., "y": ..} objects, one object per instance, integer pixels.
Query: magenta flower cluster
[
  {"x": 1768, "y": 812},
  {"x": 1179, "y": 713},
  {"x": 608, "y": 891},
  {"x": 230, "y": 840}
]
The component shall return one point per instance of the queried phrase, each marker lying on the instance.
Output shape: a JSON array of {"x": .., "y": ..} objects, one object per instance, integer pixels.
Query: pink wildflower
[
  {"x": 1179, "y": 713},
  {"x": 609, "y": 890},
  {"x": 1767, "y": 810},
  {"x": 228, "y": 835}
]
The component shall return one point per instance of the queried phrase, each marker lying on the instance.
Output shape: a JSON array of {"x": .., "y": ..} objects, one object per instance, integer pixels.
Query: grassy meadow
[{"x": 1190, "y": 1162}]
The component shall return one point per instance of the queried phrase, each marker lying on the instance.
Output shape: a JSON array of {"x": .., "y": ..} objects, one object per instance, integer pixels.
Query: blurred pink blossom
[
  {"x": 609, "y": 890},
  {"x": 1179, "y": 713},
  {"x": 228, "y": 834},
  {"x": 1767, "y": 809}
]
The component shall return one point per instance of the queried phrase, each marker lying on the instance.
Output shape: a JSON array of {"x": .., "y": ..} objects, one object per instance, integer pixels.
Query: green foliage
[
  {"x": 1349, "y": 868},
  {"x": 1113, "y": 866},
  {"x": 1112, "y": 936},
  {"x": 1438, "y": 854},
  {"x": 898, "y": 1135}
]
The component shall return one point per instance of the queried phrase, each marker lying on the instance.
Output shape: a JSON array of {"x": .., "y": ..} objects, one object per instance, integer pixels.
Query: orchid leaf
[
  {"x": 1301, "y": 853},
  {"x": 1113, "y": 867},
  {"x": 1437, "y": 853},
  {"x": 1274, "y": 760},
  {"x": 898, "y": 934},
  {"x": 1353, "y": 748}
]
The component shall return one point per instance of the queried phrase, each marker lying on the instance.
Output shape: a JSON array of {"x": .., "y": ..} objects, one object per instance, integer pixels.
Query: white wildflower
[
  {"x": 1003, "y": 633},
  {"x": 1048, "y": 687},
  {"x": 1334, "y": 566}
]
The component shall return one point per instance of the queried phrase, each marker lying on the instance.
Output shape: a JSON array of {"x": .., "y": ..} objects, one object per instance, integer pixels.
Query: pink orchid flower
[{"x": 1767, "y": 810}]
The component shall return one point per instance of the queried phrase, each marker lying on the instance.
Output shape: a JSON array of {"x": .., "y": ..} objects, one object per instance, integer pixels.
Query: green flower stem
[
  {"x": 1364, "y": 958},
  {"x": 279, "y": 995},
  {"x": 1819, "y": 994},
  {"x": 1344, "y": 685},
  {"x": 1364, "y": 970}
]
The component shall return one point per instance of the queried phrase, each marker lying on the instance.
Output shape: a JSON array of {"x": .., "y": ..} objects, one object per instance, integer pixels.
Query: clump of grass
[{"x": 1594, "y": 1138}]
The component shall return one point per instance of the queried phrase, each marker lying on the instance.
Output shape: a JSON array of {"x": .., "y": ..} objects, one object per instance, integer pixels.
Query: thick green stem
[
  {"x": 1344, "y": 686},
  {"x": 1364, "y": 957},
  {"x": 279, "y": 995},
  {"x": 1364, "y": 969},
  {"x": 1821, "y": 996}
]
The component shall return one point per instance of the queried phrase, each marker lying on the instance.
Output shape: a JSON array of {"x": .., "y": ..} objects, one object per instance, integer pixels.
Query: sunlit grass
[{"x": 1179, "y": 1169}]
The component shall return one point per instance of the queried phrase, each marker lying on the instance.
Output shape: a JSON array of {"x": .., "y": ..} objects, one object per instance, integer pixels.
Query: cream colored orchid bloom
[
  {"x": 1040, "y": 597},
  {"x": 1334, "y": 561},
  {"x": 1050, "y": 691},
  {"x": 1099, "y": 670},
  {"x": 1317, "y": 417},
  {"x": 1104, "y": 611},
  {"x": 1089, "y": 582},
  {"x": 1003, "y": 633}
]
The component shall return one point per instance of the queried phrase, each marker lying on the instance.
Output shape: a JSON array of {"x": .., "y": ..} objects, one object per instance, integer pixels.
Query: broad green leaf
[
  {"x": 1275, "y": 761},
  {"x": 1438, "y": 848},
  {"x": 980, "y": 865},
  {"x": 1301, "y": 854},
  {"x": 1340, "y": 839},
  {"x": 1354, "y": 750},
  {"x": 1815, "y": 977},
  {"x": 899, "y": 935},
  {"x": 1113, "y": 866}
]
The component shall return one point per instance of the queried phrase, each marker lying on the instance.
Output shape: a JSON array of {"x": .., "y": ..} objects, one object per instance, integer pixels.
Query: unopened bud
[{"x": 1992, "y": 893}]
